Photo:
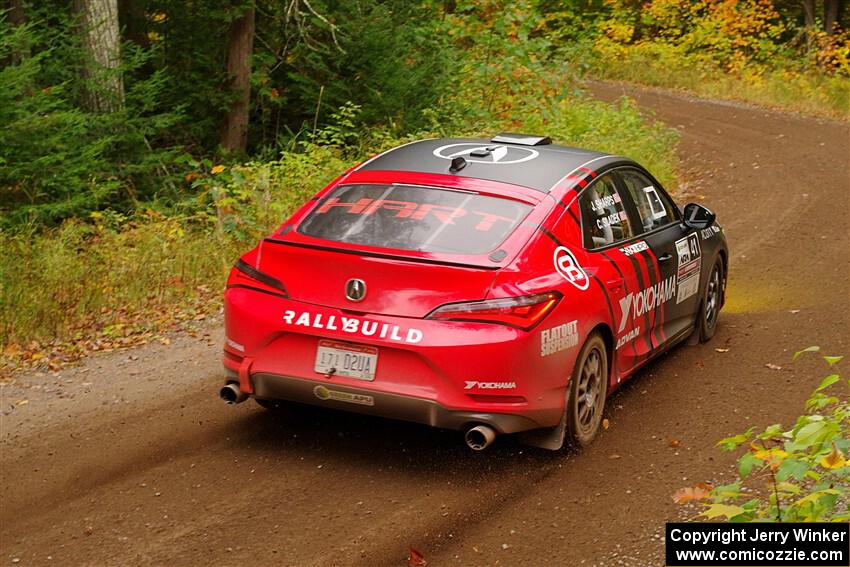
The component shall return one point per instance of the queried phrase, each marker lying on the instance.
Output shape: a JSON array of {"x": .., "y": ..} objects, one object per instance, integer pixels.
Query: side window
[
  {"x": 602, "y": 214},
  {"x": 653, "y": 205}
]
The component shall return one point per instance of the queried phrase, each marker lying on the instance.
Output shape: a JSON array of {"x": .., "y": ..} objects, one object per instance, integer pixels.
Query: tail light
[
  {"x": 520, "y": 312},
  {"x": 247, "y": 276}
]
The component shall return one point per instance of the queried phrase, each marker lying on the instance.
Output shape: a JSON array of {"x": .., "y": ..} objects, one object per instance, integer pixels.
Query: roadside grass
[
  {"x": 810, "y": 92},
  {"x": 113, "y": 280}
]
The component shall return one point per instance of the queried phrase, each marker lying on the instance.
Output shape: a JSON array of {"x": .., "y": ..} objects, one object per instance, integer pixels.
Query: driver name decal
[{"x": 352, "y": 325}]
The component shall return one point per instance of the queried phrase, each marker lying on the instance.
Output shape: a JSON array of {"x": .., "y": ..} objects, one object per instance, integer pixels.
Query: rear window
[{"x": 407, "y": 217}]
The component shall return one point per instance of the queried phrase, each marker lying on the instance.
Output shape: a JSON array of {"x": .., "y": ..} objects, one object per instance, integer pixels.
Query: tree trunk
[
  {"x": 809, "y": 14},
  {"x": 830, "y": 15},
  {"x": 240, "y": 45},
  {"x": 98, "y": 24},
  {"x": 134, "y": 21},
  {"x": 16, "y": 13},
  {"x": 17, "y": 17}
]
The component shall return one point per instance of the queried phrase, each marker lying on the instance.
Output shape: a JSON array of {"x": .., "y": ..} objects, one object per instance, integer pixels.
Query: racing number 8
[{"x": 567, "y": 265}]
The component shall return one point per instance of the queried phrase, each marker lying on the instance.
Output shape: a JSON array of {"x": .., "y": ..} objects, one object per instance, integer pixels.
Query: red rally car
[{"x": 492, "y": 287}]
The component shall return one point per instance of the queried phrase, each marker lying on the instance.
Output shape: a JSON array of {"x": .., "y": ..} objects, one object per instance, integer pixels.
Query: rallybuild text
[{"x": 757, "y": 544}]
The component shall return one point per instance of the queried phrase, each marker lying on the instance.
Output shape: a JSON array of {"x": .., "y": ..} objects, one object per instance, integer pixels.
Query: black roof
[{"x": 538, "y": 167}]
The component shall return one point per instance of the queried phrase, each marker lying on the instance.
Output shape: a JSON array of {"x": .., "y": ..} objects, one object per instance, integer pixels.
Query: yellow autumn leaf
[
  {"x": 716, "y": 510},
  {"x": 765, "y": 454},
  {"x": 217, "y": 169},
  {"x": 835, "y": 460}
]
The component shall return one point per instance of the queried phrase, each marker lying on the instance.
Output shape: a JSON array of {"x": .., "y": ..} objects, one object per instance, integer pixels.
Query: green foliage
[
  {"x": 84, "y": 276},
  {"x": 58, "y": 160},
  {"x": 393, "y": 61},
  {"x": 796, "y": 475},
  {"x": 752, "y": 50},
  {"x": 147, "y": 241}
]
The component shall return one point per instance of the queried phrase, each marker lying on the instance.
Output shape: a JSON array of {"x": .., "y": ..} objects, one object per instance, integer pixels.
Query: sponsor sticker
[
  {"x": 558, "y": 338},
  {"x": 353, "y": 326},
  {"x": 628, "y": 337},
  {"x": 476, "y": 385},
  {"x": 707, "y": 233},
  {"x": 567, "y": 265},
  {"x": 324, "y": 394},
  {"x": 635, "y": 304},
  {"x": 635, "y": 248},
  {"x": 688, "y": 269}
]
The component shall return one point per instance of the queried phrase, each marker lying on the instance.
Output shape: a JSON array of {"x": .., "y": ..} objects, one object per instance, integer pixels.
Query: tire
[
  {"x": 712, "y": 297},
  {"x": 587, "y": 391}
]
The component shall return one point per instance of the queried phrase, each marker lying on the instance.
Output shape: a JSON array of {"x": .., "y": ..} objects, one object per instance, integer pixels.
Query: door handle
[
  {"x": 665, "y": 257},
  {"x": 614, "y": 285}
]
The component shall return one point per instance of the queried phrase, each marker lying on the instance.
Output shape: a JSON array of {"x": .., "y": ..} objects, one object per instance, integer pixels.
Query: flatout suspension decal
[
  {"x": 415, "y": 211},
  {"x": 558, "y": 338}
]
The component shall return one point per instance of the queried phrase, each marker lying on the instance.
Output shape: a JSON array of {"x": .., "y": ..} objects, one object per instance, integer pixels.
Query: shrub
[{"x": 799, "y": 474}]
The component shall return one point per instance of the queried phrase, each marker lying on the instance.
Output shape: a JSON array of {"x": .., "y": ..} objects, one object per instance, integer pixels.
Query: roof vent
[{"x": 522, "y": 139}]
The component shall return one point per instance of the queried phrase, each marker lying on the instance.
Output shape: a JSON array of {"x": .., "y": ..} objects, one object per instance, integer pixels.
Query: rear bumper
[
  {"x": 382, "y": 404},
  {"x": 452, "y": 373}
]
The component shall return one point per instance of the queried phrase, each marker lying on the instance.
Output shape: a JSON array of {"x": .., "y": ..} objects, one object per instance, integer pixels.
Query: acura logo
[
  {"x": 491, "y": 154},
  {"x": 355, "y": 289}
]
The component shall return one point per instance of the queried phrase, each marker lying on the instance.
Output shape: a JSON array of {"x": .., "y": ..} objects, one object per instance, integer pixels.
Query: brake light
[
  {"x": 247, "y": 276},
  {"x": 520, "y": 312}
]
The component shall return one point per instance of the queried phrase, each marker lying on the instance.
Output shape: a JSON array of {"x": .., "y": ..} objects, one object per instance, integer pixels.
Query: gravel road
[{"x": 131, "y": 459}]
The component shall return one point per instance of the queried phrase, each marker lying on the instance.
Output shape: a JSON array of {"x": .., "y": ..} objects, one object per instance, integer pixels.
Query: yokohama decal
[
  {"x": 635, "y": 305},
  {"x": 567, "y": 265},
  {"x": 475, "y": 384}
]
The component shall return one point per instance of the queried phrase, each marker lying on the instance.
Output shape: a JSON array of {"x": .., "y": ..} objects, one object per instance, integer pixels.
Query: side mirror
[{"x": 697, "y": 217}]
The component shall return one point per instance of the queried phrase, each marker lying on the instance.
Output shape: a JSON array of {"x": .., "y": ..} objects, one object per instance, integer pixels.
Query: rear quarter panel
[{"x": 559, "y": 337}]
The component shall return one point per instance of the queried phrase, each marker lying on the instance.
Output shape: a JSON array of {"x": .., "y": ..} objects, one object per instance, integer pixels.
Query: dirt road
[{"x": 132, "y": 460}]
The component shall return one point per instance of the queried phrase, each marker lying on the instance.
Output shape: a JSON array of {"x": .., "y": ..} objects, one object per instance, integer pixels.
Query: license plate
[{"x": 342, "y": 359}]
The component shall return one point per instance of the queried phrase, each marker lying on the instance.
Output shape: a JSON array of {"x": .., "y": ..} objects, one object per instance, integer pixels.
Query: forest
[{"x": 143, "y": 143}]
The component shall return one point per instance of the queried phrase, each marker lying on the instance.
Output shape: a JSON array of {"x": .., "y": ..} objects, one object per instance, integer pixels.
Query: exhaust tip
[
  {"x": 480, "y": 437},
  {"x": 231, "y": 394}
]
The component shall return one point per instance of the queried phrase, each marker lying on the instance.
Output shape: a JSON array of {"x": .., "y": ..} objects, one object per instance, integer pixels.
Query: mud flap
[
  {"x": 245, "y": 383},
  {"x": 551, "y": 438},
  {"x": 693, "y": 338}
]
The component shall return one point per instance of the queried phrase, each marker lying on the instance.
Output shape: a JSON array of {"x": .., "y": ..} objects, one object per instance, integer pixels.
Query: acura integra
[{"x": 489, "y": 286}]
